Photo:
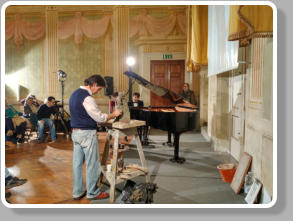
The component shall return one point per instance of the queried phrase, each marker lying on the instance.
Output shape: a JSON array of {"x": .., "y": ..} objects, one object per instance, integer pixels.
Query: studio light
[
  {"x": 130, "y": 61},
  {"x": 61, "y": 75}
]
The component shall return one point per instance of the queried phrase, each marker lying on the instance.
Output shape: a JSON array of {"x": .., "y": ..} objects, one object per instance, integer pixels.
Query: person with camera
[
  {"x": 44, "y": 113},
  {"x": 85, "y": 114}
]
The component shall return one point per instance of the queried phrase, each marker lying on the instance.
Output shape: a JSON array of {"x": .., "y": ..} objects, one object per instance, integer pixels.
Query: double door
[{"x": 168, "y": 74}]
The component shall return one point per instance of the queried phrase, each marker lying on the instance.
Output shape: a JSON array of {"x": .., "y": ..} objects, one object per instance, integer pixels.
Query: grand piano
[{"x": 176, "y": 118}]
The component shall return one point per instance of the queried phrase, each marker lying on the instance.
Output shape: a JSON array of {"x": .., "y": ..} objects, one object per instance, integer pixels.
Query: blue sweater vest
[{"x": 79, "y": 117}]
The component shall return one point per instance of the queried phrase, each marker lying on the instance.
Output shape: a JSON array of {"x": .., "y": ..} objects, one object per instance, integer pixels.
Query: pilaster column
[
  {"x": 109, "y": 55},
  {"x": 51, "y": 54},
  {"x": 121, "y": 43}
]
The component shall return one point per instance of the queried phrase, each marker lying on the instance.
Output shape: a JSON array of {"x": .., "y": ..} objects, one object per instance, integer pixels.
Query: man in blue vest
[{"x": 85, "y": 115}]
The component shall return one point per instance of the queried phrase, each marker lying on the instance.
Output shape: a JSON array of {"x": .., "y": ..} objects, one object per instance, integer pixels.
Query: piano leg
[
  {"x": 145, "y": 135},
  {"x": 176, "y": 158},
  {"x": 169, "y": 142}
]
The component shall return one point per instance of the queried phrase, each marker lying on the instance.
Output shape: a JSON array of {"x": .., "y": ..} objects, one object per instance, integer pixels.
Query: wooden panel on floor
[{"x": 241, "y": 171}]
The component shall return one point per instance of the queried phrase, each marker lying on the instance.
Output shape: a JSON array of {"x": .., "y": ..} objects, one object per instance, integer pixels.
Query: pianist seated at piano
[{"x": 136, "y": 103}]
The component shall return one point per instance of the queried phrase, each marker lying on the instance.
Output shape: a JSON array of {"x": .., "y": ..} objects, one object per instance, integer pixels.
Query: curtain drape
[
  {"x": 18, "y": 28},
  {"x": 222, "y": 54},
  {"x": 143, "y": 24},
  {"x": 79, "y": 26},
  {"x": 248, "y": 21},
  {"x": 197, "y": 37}
]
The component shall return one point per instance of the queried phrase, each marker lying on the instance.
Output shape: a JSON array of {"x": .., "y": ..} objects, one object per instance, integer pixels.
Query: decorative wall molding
[
  {"x": 52, "y": 52},
  {"x": 80, "y": 26},
  {"x": 257, "y": 69},
  {"x": 144, "y": 24},
  {"x": 121, "y": 45},
  {"x": 18, "y": 28},
  {"x": 170, "y": 40}
]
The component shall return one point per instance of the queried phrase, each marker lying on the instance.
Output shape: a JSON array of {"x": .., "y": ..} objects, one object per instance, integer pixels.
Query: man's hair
[
  {"x": 51, "y": 98},
  {"x": 95, "y": 79},
  {"x": 187, "y": 85},
  {"x": 115, "y": 94},
  {"x": 136, "y": 94}
]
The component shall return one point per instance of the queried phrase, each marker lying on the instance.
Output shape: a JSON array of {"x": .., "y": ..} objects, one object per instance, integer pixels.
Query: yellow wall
[{"x": 23, "y": 69}]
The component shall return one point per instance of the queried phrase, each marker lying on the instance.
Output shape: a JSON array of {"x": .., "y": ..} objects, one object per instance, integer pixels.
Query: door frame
[
  {"x": 145, "y": 70},
  {"x": 167, "y": 62}
]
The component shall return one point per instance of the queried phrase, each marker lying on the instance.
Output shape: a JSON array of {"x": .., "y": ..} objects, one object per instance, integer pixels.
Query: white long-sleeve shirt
[{"x": 92, "y": 109}]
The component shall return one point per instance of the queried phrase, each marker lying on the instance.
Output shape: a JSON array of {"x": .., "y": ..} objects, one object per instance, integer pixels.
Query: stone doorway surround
[{"x": 153, "y": 48}]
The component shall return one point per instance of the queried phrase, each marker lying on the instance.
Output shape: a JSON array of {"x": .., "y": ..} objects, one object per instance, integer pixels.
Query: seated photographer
[
  {"x": 30, "y": 110},
  {"x": 19, "y": 123},
  {"x": 43, "y": 115}
]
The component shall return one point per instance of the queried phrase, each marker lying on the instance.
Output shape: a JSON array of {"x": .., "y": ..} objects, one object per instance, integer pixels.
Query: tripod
[{"x": 61, "y": 115}]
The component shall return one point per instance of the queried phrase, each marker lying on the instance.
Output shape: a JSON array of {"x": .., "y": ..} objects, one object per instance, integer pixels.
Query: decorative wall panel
[
  {"x": 52, "y": 52},
  {"x": 257, "y": 70},
  {"x": 80, "y": 63}
]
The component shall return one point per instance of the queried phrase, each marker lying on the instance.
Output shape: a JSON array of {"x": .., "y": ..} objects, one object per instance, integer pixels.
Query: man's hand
[{"x": 116, "y": 113}]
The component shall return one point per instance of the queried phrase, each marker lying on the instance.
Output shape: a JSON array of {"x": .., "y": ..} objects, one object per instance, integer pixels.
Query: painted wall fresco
[{"x": 80, "y": 62}]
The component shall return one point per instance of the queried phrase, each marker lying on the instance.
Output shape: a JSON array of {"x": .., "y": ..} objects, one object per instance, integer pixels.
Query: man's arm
[
  {"x": 140, "y": 103},
  {"x": 92, "y": 109},
  {"x": 192, "y": 100}
]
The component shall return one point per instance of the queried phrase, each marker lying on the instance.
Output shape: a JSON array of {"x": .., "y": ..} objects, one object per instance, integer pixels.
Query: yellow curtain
[
  {"x": 197, "y": 37},
  {"x": 248, "y": 21}
]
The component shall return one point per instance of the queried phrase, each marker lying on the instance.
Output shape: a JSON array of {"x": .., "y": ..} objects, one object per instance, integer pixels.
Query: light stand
[
  {"x": 62, "y": 78},
  {"x": 130, "y": 61},
  {"x": 130, "y": 86}
]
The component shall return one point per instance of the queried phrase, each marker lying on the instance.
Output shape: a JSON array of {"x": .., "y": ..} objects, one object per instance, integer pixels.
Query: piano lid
[{"x": 156, "y": 89}]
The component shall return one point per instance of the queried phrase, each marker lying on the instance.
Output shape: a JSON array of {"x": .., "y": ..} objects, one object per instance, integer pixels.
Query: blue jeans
[
  {"x": 86, "y": 148},
  {"x": 34, "y": 119},
  {"x": 41, "y": 126}
]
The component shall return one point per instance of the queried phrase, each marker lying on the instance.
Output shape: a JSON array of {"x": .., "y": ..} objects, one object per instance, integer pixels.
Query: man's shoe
[
  {"x": 54, "y": 141},
  {"x": 13, "y": 182},
  {"x": 20, "y": 140},
  {"x": 40, "y": 141},
  {"x": 9, "y": 133},
  {"x": 101, "y": 196},
  {"x": 80, "y": 197}
]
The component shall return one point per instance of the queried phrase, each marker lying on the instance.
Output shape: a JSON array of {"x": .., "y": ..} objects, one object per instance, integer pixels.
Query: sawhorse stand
[{"x": 122, "y": 129}]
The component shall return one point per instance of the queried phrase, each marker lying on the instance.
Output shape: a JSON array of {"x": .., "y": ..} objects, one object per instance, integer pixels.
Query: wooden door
[{"x": 168, "y": 74}]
